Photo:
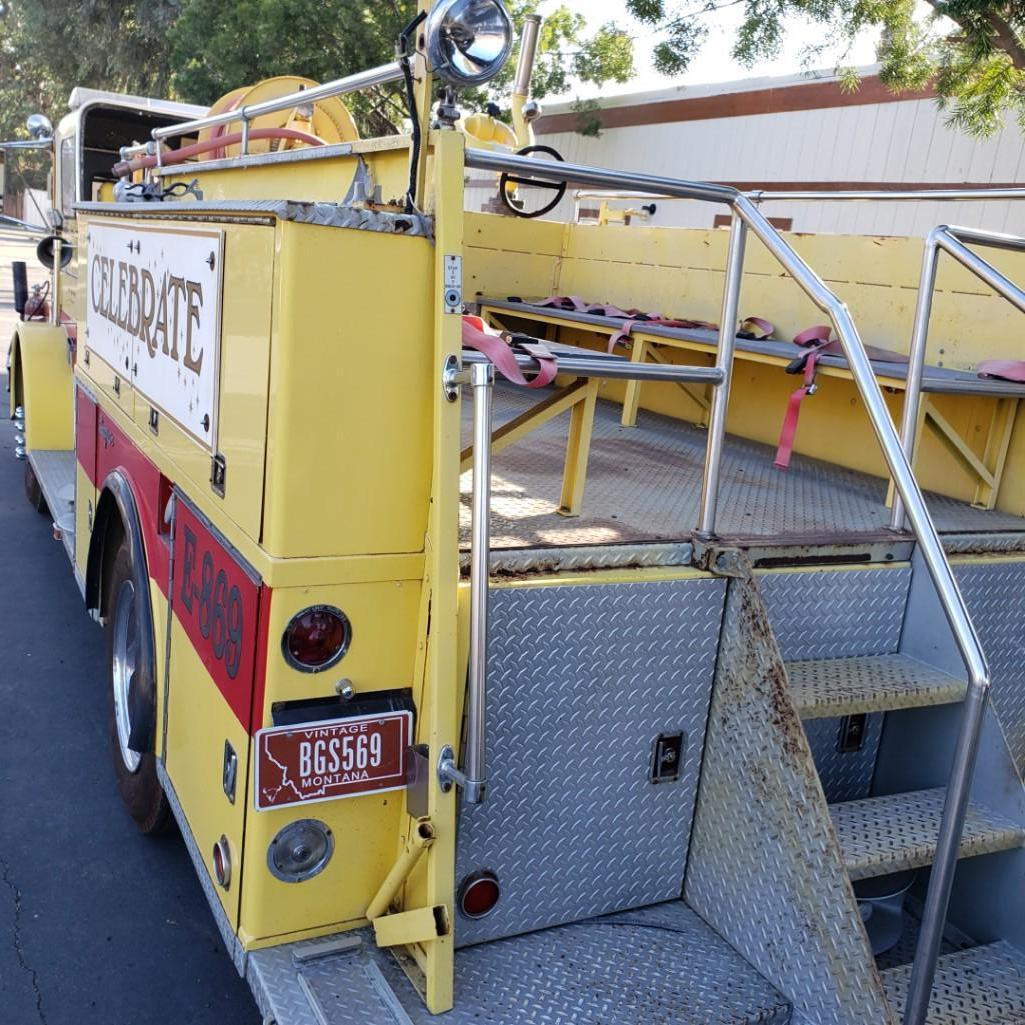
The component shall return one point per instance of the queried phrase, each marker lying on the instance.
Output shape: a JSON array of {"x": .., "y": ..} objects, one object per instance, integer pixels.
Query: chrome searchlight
[{"x": 468, "y": 41}]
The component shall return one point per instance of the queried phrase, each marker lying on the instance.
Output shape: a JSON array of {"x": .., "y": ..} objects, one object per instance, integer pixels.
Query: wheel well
[
  {"x": 14, "y": 382},
  {"x": 107, "y": 536}
]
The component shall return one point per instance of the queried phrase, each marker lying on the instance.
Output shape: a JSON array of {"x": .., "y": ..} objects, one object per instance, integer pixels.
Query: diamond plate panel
[
  {"x": 981, "y": 986},
  {"x": 993, "y": 591},
  {"x": 845, "y": 776},
  {"x": 881, "y": 835},
  {"x": 765, "y": 870},
  {"x": 655, "y": 966},
  {"x": 344, "y": 989},
  {"x": 876, "y": 683},
  {"x": 839, "y": 613},
  {"x": 582, "y": 679}
]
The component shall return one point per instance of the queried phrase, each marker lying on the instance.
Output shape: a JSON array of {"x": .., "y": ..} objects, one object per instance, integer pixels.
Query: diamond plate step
[
  {"x": 660, "y": 965},
  {"x": 869, "y": 683},
  {"x": 880, "y": 835},
  {"x": 981, "y": 986}
]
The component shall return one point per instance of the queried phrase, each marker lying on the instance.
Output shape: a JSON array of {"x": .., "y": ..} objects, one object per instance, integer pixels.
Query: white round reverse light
[
  {"x": 468, "y": 41},
  {"x": 300, "y": 850}
]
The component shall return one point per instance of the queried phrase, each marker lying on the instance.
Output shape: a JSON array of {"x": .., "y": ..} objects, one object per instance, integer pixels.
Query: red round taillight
[
  {"x": 478, "y": 894},
  {"x": 315, "y": 638}
]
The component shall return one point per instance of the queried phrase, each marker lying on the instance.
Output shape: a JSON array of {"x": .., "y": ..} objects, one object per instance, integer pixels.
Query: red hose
[{"x": 176, "y": 156}]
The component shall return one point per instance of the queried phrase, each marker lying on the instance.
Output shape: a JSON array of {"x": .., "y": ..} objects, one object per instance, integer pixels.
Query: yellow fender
[{"x": 41, "y": 382}]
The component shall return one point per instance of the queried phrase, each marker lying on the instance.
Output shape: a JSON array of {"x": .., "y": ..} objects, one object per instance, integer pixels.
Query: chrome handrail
[
  {"x": 952, "y": 195},
  {"x": 951, "y": 240},
  {"x": 337, "y": 87},
  {"x": 745, "y": 210}
]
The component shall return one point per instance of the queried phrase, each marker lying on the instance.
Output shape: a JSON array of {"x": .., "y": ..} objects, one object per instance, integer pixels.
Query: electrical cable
[{"x": 404, "y": 55}]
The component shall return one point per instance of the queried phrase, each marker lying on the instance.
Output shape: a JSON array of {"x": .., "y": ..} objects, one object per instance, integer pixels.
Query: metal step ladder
[{"x": 892, "y": 833}]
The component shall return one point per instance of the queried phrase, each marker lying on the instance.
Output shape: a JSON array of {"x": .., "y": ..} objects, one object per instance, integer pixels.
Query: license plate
[{"x": 321, "y": 761}]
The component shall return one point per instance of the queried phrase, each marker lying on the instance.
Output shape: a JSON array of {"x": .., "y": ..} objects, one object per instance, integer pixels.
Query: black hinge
[{"x": 218, "y": 473}]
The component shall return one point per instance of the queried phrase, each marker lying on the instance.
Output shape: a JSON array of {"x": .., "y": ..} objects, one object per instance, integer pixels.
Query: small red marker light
[
  {"x": 316, "y": 638},
  {"x": 478, "y": 894}
]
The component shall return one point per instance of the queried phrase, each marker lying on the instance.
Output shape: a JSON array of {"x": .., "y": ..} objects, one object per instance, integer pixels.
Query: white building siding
[{"x": 871, "y": 144}]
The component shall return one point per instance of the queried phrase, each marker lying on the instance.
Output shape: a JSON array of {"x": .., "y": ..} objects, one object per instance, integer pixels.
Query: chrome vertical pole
[
  {"x": 724, "y": 363},
  {"x": 55, "y": 281},
  {"x": 916, "y": 363},
  {"x": 482, "y": 380},
  {"x": 941, "y": 880},
  {"x": 245, "y": 133}
]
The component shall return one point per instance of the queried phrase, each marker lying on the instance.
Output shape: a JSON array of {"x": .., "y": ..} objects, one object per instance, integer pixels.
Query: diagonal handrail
[{"x": 747, "y": 217}]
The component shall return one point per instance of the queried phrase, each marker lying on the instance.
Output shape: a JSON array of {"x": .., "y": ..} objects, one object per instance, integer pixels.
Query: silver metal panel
[
  {"x": 344, "y": 987},
  {"x": 643, "y": 484},
  {"x": 765, "y": 870},
  {"x": 876, "y": 683},
  {"x": 981, "y": 986},
  {"x": 994, "y": 592},
  {"x": 844, "y": 775},
  {"x": 836, "y": 613},
  {"x": 656, "y": 966},
  {"x": 55, "y": 471},
  {"x": 880, "y": 835},
  {"x": 582, "y": 679}
]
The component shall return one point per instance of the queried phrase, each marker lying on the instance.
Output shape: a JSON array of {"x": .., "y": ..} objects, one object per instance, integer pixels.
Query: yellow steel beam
[
  {"x": 432, "y": 883},
  {"x": 578, "y": 448},
  {"x": 998, "y": 441},
  {"x": 531, "y": 419}
]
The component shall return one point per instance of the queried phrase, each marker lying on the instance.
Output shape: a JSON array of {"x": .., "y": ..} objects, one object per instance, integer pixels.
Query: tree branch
[{"x": 1004, "y": 37}]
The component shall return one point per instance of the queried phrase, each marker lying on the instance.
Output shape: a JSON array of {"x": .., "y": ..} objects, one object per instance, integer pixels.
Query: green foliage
[
  {"x": 197, "y": 50},
  {"x": 974, "y": 50}
]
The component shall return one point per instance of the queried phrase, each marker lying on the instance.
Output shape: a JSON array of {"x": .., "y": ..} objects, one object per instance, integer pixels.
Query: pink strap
[
  {"x": 812, "y": 335},
  {"x": 1005, "y": 369},
  {"x": 498, "y": 350},
  {"x": 621, "y": 335},
  {"x": 757, "y": 327},
  {"x": 785, "y": 448}
]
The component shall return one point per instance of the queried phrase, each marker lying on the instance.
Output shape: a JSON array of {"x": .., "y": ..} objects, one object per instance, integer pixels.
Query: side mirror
[{"x": 39, "y": 126}]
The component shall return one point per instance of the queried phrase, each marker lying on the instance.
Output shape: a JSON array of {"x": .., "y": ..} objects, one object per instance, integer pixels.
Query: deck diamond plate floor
[
  {"x": 643, "y": 485},
  {"x": 660, "y": 965}
]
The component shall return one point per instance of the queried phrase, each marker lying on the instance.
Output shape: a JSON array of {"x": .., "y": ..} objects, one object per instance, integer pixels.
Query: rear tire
[
  {"x": 33, "y": 492},
  {"x": 136, "y": 774}
]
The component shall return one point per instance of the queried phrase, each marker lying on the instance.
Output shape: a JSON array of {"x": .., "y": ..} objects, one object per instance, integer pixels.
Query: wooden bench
[{"x": 648, "y": 339}]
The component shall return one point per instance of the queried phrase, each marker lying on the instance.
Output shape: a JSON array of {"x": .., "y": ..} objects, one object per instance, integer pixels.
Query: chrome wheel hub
[{"x": 123, "y": 666}]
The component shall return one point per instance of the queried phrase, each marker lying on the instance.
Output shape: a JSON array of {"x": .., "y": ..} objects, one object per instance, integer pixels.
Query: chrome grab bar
[
  {"x": 610, "y": 368},
  {"x": 951, "y": 240},
  {"x": 845, "y": 195},
  {"x": 745, "y": 210},
  {"x": 479, "y": 372},
  {"x": 337, "y": 87}
]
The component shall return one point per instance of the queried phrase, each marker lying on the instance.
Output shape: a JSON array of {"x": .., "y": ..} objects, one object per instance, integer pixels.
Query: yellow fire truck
[{"x": 457, "y": 607}]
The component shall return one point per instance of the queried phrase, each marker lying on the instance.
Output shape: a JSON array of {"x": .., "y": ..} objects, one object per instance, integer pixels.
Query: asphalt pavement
[{"x": 98, "y": 925}]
